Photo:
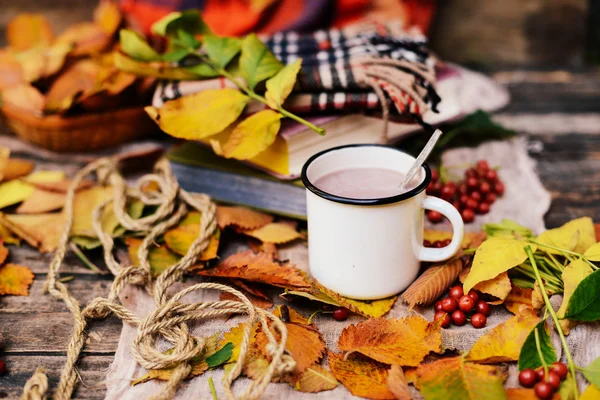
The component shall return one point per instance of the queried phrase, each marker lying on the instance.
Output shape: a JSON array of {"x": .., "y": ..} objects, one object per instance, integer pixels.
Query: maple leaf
[
  {"x": 403, "y": 341},
  {"x": 241, "y": 217},
  {"x": 315, "y": 379},
  {"x": 275, "y": 232},
  {"x": 258, "y": 267},
  {"x": 361, "y": 376},
  {"x": 454, "y": 378},
  {"x": 398, "y": 384},
  {"x": 503, "y": 342},
  {"x": 432, "y": 283},
  {"x": 518, "y": 297},
  {"x": 499, "y": 287},
  {"x": 15, "y": 280},
  {"x": 41, "y": 201}
]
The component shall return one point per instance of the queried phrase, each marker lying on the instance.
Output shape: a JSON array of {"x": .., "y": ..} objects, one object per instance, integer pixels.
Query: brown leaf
[
  {"x": 241, "y": 217},
  {"x": 517, "y": 298},
  {"x": 40, "y": 230},
  {"x": 361, "y": 376},
  {"x": 25, "y": 98},
  {"x": 258, "y": 267},
  {"x": 15, "y": 280},
  {"x": 269, "y": 248},
  {"x": 251, "y": 288},
  {"x": 61, "y": 186},
  {"x": 288, "y": 314},
  {"x": 42, "y": 201},
  {"x": 86, "y": 38},
  {"x": 78, "y": 79},
  {"x": 403, "y": 341},
  {"x": 503, "y": 342},
  {"x": 3, "y": 252},
  {"x": 16, "y": 168},
  {"x": 432, "y": 283},
  {"x": 255, "y": 364},
  {"x": 255, "y": 300},
  {"x": 315, "y": 379},
  {"x": 397, "y": 383},
  {"x": 108, "y": 17},
  {"x": 275, "y": 232},
  {"x": 499, "y": 287},
  {"x": 28, "y": 30}
]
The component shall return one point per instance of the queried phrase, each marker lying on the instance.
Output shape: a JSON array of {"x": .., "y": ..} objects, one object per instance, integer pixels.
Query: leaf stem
[
  {"x": 312, "y": 315},
  {"x": 213, "y": 392},
  {"x": 555, "y": 248},
  {"x": 86, "y": 261},
  {"x": 539, "y": 350},
  {"x": 555, "y": 319}
]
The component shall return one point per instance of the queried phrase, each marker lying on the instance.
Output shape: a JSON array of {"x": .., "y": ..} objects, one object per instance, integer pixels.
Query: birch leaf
[
  {"x": 13, "y": 192},
  {"x": 161, "y": 70},
  {"x": 572, "y": 276},
  {"x": 398, "y": 384},
  {"x": 253, "y": 135},
  {"x": 281, "y": 85},
  {"x": 432, "y": 283},
  {"x": 222, "y": 49},
  {"x": 257, "y": 63}
]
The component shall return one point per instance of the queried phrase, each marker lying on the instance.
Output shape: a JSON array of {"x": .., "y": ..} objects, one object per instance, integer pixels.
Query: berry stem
[
  {"x": 539, "y": 350},
  {"x": 312, "y": 315},
  {"x": 555, "y": 319}
]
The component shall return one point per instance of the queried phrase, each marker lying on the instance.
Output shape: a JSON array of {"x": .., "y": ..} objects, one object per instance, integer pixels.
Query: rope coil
[{"x": 170, "y": 319}]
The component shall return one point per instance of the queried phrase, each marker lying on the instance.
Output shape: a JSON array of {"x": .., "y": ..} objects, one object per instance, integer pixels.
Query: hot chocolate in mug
[{"x": 370, "y": 248}]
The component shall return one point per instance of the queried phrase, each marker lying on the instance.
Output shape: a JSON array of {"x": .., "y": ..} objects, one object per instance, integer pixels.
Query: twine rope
[{"x": 170, "y": 319}]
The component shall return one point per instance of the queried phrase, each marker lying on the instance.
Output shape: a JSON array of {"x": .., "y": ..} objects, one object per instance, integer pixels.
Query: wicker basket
[{"x": 80, "y": 133}]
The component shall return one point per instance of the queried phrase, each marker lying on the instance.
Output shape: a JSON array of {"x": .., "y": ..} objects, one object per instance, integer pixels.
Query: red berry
[
  {"x": 485, "y": 187},
  {"x": 491, "y": 176},
  {"x": 541, "y": 375},
  {"x": 434, "y": 216},
  {"x": 483, "y": 208},
  {"x": 553, "y": 379},
  {"x": 472, "y": 204},
  {"x": 483, "y": 307},
  {"x": 446, "y": 242},
  {"x": 438, "y": 306},
  {"x": 527, "y": 378},
  {"x": 472, "y": 182},
  {"x": 463, "y": 189},
  {"x": 499, "y": 188},
  {"x": 474, "y": 295},
  {"x": 447, "y": 192},
  {"x": 2, "y": 367},
  {"x": 449, "y": 304},
  {"x": 463, "y": 199},
  {"x": 482, "y": 165},
  {"x": 467, "y": 215},
  {"x": 456, "y": 292},
  {"x": 459, "y": 318},
  {"x": 466, "y": 303},
  {"x": 476, "y": 196},
  {"x": 543, "y": 390},
  {"x": 434, "y": 189},
  {"x": 456, "y": 204},
  {"x": 340, "y": 314},
  {"x": 435, "y": 175},
  {"x": 426, "y": 243},
  {"x": 478, "y": 320},
  {"x": 490, "y": 198},
  {"x": 470, "y": 173},
  {"x": 560, "y": 369},
  {"x": 445, "y": 316},
  {"x": 438, "y": 244}
]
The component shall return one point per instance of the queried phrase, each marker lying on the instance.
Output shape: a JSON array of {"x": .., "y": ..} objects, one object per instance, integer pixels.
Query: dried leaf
[
  {"x": 499, "y": 287},
  {"x": 258, "y": 267},
  {"x": 86, "y": 38},
  {"x": 275, "y": 232},
  {"x": 25, "y": 98},
  {"x": 13, "y": 192},
  {"x": 84, "y": 204},
  {"x": 470, "y": 239},
  {"x": 44, "y": 177},
  {"x": 11, "y": 72},
  {"x": 257, "y": 63},
  {"x": 251, "y": 288},
  {"x": 40, "y": 230},
  {"x": 518, "y": 297},
  {"x": 108, "y": 17},
  {"x": 503, "y": 342},
  {"x": 159, "y": 257},
  {"x": 61, "y": 186},
  {"x": 432, "y": 283},
  {"x": 288, "y": 314},
  {"x": 41, "y": 201},
  {"x": 361, "y": 376},
  {"x": 280, "y": 86},
  {"x": 236, "y": 337},
  {"x": 256, "y": 364},
  {"x": 28, "y": 30},
  {"x": 3, "y": 252},
  {"x": 4, "y": 157},
  {"x": 15, "y": 280},
  {"x": 494, "y": 256},
  {"x": 582, "y": 229},
  {"x": 16, "y": 168},
  {"x": 43, "y": 62},
  {"x": 80, "y": 78},
  {"x": 253, "y": 135},
  {"x": 6, "y": 235},
  {"x": 397, "y": 383},
  {"x": 199, "y": 115},
  {"x": 241, "y": 217},
  {"x": 454, "y": 378},
  {"x": 526, "y": 394},
  {"x": 180, "y": 239},
  {"x": 403, "y": 341},
  {"x": 572, "y": 276},
  {"x": 315, "y": 379},
  {"x": 537, "y": 299}
]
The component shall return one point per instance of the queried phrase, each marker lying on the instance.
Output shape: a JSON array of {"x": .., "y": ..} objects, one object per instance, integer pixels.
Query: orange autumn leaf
[
  {"x": 25, "y": 98},
  {"x": 361, "y": 376},
  {"x": 517, "y": 298},
  {"x": 28, "y": 30},
  {"x": 42, "y": 201},
  {"x": 432, "y": 283},
  {"x": 525, "y": 394},
  {"x": 275, "y": 232},
  {"x": 251, "y": 288},
  {"x": 398, "y": 384},
  {"x": 288, "y": 314},
  {"x": 43, "y": 62},
  {"x": 410, "y": 374},
  {"x": 181, "y": 238},
  {"x": 79, "y": 78},
  {"x": 470, "y": 239},
  {"x": 11, "y": 72},
  {"x": 3, "y": 252},
  {"x": 108, "y": 17},
  {"x": 499, "y": 287},
  {"x": 403, "y": 341},
  {"x": 503, "y": 342},
  {"x": 16, "y": 168},
  {"x": 86, "y": 38},
  {"x": 241, "y": 217},
  {"x": 42, "y": 230},
  {"x": 15, "y": 280},
  {"x": 315, "y": 379},
  {"x": 61, "y": 186},
  {"x": 258, "y": 267}
]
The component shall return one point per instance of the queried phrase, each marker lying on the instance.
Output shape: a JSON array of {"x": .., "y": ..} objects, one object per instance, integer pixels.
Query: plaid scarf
[{"x": 346, "y": 71}]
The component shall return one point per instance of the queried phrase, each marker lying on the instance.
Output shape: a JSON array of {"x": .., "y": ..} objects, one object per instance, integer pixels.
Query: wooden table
[{"x": 560, "y": 112}]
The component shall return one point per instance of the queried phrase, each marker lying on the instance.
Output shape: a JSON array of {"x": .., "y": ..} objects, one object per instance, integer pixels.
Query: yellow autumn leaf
[
  {"x": 28, "y": 30},
  {"x": 15, "y": 280},
  {"x": 161, "y": 70},
  {"x": 42, "y": 201},
  {"x": 499, "y": 287},
  {"x": 13, "y": 192},
  {"x": 199, "y": 115},
  {"x": 593, "y": 253},
  {"x": 42, "y": 62},
  {"x": 108, "y": 17},
  {"x": 572, "y": 275},
  {"x": 3, "y": 253},
  {"x": 17, "y": 168},
  {"x": 253, "y": 135},
  {"x": 591, "y": 393},
  {"x": 4, "y": 156},
  {"x": 275, "y": 232},
  {"x": 361, "y": 376},
  {"x": 7, "y": 236},
  {"x": 494, "y": 256},
  {"x": 159, "y": 257},
  {"x": 181, "y": 238},
  {"x": 503, "y": 342},
  {"x": 581, "y": 229},
  {"x": 236, "y": 336},
  {"x": 44, "y": 176},
  {"x": 517, "y": 298},
  {"x": 280, "y": 86},
  {"x": 398, "y": 384},
  {"x": 315, "y": 379},
  {"x": 43, "y": 230},
  {"x": 86, "y": 201}
]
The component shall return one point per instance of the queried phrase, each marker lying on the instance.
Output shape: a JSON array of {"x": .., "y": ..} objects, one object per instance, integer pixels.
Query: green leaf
[
  {"x": 280, "y": 86},
  {"x": 189, "y": 21},
  {"x": 494, "y": 256},
  {"x": 136, "y": 47},
  {"x": 584, "y": 304},
  {"x": 582, "y": 229},
  {"x": 592, "y": 372},
  {"x": 221, "y": 50},
  {"x": 253, "y": 135},
  {"x": 221, "y": 356},
  {"x": 186, "y": 39},
  {"x": 202, "y": 71},
  {"x": 176, "y": 54},
  {"x": 529, "y": 357},
  {"x": 257, "y": 63},
  {"x": 593, "y": 253}
]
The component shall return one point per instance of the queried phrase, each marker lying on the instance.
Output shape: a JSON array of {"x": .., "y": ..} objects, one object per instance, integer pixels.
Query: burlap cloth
[{"x": 525, "y": 201}]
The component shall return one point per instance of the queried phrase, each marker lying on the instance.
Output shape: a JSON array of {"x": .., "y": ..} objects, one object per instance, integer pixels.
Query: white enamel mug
[{"x": 370, "y": 248}]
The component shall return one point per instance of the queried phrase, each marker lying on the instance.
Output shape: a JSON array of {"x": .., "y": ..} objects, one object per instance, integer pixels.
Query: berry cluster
[
  {"x": 437, "y": 244},
  {"x": 545, "y": 385},
  {"x": 473, "y": 195},
  {"x": 454, "y": 308}
]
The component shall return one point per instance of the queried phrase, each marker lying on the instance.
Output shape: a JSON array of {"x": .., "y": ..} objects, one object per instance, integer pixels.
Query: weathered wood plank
[
  {"x": 38, "y": 263},
  {"x": 92, "y": 370}
]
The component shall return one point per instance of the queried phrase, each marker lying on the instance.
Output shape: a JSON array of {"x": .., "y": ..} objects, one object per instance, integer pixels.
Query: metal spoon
[{"x": 422, "y": 157}]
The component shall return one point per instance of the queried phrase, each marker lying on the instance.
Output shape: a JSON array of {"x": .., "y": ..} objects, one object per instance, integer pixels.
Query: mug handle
[{"x": 458, "y": 228}]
